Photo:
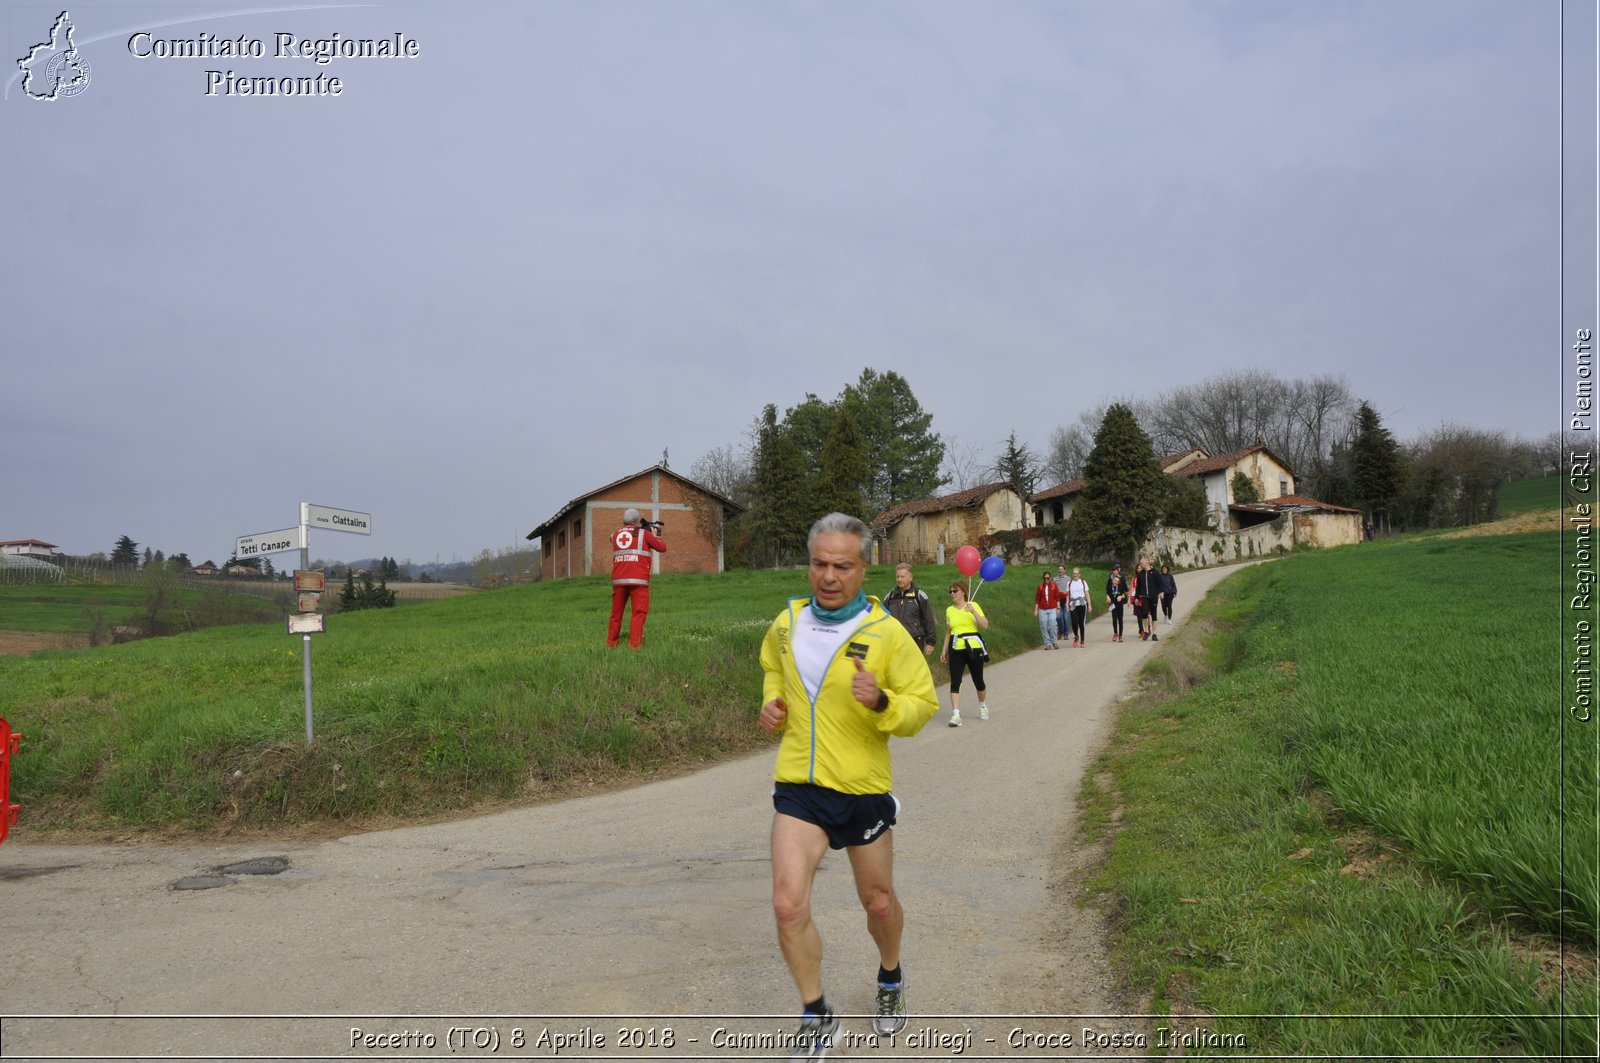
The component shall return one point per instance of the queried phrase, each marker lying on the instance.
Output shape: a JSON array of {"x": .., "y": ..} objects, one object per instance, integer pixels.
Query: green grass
[
  {"x": 1359, "y": 814},
  {"x": 434, "y": 707},
  {"x": 64, "y": 609},
  {"x": 1523, "y": 496}
]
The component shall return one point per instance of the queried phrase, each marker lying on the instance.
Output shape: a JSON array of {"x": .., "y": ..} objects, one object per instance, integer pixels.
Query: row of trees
[
  {"x": 867, "y": 450},
  {"x": 873, "y": 447},
  {"x": 1336, "y": 444}
]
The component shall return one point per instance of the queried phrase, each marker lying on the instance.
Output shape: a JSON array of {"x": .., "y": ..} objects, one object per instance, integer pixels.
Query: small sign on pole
[{"x": 306, "y": 622}]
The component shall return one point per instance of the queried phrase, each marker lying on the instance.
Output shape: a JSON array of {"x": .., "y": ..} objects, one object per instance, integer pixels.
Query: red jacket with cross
[{"x": 630, "y": 555}]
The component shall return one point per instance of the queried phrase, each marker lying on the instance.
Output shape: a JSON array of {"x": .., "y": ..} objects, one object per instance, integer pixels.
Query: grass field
[
  {"x": 1522, "y": 496},
  {"x": 436, "y": 706},
  {"x": 1368, "y": 810}
]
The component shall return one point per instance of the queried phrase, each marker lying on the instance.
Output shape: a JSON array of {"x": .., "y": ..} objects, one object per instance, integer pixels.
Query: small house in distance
[
  {"x": 925, "y": 529},
  {"x": 576, "y": 541},
  {"x": 28, "y": 547}
]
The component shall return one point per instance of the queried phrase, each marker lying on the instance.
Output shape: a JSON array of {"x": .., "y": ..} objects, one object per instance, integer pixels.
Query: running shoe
[
  {"x": 955, "y": 719},
  {"x": 815, "y": 1036},
  {"x": 891, "y": 1016},
  {"x": 983, "y": 712}
]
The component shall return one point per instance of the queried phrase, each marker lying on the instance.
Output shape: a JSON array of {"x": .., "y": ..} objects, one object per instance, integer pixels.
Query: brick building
[{"x": 577, "y": 540}]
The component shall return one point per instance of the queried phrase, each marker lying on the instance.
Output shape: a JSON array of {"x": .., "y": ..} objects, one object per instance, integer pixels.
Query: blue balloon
[{"x": 992, "y": 568}]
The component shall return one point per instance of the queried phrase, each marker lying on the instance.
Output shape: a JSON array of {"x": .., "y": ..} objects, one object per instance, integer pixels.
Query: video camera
[{"x": 657, "y": 526}]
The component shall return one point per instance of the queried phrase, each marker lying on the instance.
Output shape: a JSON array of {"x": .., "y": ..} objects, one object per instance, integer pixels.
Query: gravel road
[{"x": 588, "y": 928}]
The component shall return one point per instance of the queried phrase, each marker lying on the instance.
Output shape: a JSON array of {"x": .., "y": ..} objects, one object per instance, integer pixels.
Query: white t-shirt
[
  {"x": 815, "y": 643},
  {"x": 1077, "y": 593}
]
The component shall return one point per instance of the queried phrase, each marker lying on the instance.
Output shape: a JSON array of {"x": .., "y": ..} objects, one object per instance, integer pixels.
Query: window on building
[
  {"x": 577, "y": 528},
  {"x": 561, "y": 540}
]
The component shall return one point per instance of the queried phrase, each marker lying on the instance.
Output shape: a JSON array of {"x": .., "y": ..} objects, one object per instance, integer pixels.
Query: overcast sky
[{"x": 569, "y": 235}]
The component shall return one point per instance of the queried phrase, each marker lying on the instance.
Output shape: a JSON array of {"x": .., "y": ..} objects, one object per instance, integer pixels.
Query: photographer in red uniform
[{"x": 630, "y": 575}]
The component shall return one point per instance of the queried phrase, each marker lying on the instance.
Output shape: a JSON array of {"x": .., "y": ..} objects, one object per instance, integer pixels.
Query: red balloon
[{"x": 967, "y": 560}]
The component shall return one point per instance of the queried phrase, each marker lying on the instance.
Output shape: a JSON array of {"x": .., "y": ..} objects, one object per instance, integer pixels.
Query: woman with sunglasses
[{"x": 964, "y": 650}]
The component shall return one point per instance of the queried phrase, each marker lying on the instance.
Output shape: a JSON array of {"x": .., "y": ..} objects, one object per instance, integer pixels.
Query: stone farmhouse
[
  {"x": 927, "y": 529},
  {"x": 576, "y": 541}
]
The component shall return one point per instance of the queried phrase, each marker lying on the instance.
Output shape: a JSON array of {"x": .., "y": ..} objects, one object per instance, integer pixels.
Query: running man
[{"x": 839, "y": 676}]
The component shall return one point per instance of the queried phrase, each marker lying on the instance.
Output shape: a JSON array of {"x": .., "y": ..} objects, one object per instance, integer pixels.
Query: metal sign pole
[{"x": 305, "y": 642}]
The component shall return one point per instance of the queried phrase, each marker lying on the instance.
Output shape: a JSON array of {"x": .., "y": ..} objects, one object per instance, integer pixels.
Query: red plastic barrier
[{"x": 8, "y": 746}]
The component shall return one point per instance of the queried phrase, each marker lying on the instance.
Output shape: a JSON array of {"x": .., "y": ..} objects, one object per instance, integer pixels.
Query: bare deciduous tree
[
  {"x": 964, "y": 465},
  {"x": 1070, "y": 445}
]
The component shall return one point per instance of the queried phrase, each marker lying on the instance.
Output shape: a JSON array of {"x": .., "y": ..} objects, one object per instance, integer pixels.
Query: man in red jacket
[{"x": 630, "y": 576}]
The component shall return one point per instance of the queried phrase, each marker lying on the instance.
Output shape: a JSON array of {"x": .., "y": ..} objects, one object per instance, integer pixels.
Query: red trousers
[{"x": 621, "y": 594}]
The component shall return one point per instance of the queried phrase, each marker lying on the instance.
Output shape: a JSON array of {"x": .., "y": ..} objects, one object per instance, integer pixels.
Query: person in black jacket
[
  {"x": 1147, "y": 595},
  {"x": 1116, "y": 598},
  {"x": 909, "y": 604},
  {"x": 1169, "y": 591}
]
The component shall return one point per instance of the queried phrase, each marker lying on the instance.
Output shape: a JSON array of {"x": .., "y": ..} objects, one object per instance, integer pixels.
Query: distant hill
[{"x": 447, "y": 572}]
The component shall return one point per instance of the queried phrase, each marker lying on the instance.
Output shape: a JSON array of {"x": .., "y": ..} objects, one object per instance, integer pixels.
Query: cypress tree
[
  {"x": 1377, "y": 471},
  {"x": 1125, "y": 493},
  {"x": 844, "y": 470},
  {"x": 778, "y": 522}
]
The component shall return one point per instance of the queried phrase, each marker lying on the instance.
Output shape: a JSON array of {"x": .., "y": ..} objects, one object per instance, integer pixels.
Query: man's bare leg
[{"x": 797, "y": 850}]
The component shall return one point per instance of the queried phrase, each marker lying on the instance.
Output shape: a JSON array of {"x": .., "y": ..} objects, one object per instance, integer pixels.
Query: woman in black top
[{"x": 1116, "y": 598}]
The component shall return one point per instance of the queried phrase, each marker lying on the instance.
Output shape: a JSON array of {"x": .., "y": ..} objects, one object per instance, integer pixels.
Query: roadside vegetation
[
  {"x": 441, "y": 706},
  {"x": 1343, "y": 819}
]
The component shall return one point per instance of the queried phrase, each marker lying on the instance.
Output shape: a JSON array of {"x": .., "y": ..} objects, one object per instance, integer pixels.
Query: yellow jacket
[{"x": 839, "y": 742}]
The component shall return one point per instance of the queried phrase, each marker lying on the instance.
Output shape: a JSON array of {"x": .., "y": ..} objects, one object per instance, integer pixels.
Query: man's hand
[
  {"x": 773, "y": 713},
  {"x": 864, "y": 685},
  {"x": 927, "y": 649}
]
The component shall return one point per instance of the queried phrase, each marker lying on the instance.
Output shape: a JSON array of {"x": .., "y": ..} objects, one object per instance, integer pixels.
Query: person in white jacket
[{"x": 1079, "y": 605}]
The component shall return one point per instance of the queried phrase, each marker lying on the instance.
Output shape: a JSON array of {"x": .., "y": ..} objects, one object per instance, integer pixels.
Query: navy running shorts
[{"x": 847, "y": 819}]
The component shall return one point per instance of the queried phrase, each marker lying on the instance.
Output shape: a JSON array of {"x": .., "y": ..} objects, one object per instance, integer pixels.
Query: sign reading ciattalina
[{"x": 330, "y": 519}]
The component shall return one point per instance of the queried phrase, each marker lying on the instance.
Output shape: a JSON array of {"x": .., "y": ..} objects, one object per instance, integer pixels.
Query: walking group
[{"x": 1150, "y": 593}]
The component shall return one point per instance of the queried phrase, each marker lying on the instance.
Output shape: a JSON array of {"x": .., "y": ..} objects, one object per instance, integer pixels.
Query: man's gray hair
[
  {"x": 904, "y": 566},
  {"x": 842, "y": 524},
  {"x": 630, "y": 516}
]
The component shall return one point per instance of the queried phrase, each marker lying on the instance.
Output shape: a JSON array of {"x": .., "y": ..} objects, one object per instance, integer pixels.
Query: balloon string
[{"x": 974, "y": 595}]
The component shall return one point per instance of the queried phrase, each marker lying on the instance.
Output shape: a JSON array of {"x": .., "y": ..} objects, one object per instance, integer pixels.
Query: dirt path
[
  {"x": 22, "y": 643},
  {"x": 650, "y": 902}
]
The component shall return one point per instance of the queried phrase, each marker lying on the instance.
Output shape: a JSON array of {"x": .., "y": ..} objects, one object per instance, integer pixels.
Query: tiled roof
[
  {"x": 1071, "y": 487},
  {"x": 972, "y": 496},
  {"x": 581, "y": 499},
  {"x": 1311, "y": 503},
  {"x": 1223, "y": 461},
  {"x": 1283, "y": 502}
]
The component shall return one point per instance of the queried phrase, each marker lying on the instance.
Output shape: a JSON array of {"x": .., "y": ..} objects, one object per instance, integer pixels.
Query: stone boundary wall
[{"x": 1198, "y": 548}]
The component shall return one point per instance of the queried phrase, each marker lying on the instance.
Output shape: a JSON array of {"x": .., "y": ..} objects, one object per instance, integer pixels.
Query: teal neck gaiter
[{"x": 834, "y": 616}]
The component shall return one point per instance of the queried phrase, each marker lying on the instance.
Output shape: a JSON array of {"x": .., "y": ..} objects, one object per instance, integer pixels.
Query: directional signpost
[{"x": 308, "y": 585}]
